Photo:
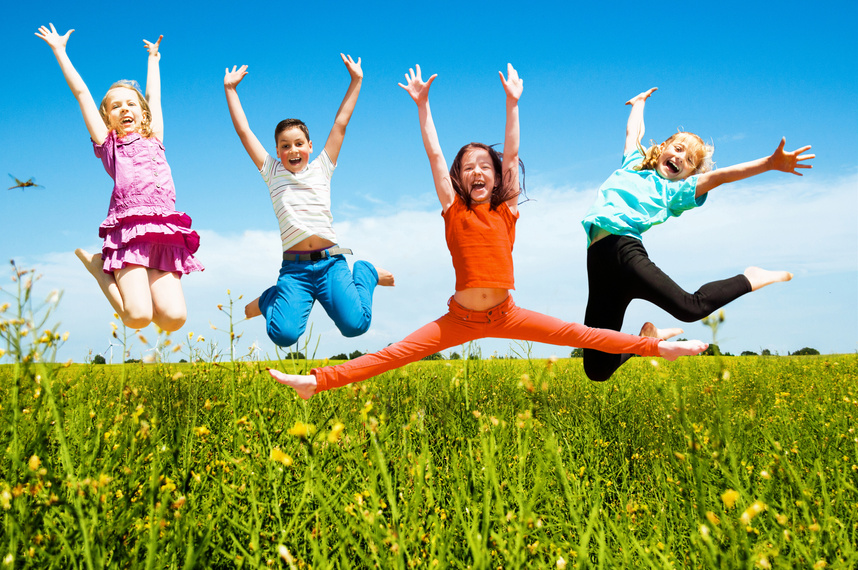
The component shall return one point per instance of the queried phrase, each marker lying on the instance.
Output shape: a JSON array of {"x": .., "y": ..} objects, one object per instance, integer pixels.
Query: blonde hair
[
  {"x": 697, "y": 151},
  {"x": 146, "y": 127}
]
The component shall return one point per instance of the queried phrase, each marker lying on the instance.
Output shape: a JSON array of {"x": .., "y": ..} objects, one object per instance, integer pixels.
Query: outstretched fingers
[
  {"x": 790, "y": 161},
  {"x": 151, "y": 47},
  {"x": 52, "y": 38},
  {"x": 512, "y": 84},
  {"x": 353, "y": 66},
  {"x": 234, "y": 77},
  {"x": 415, "y": 86}
]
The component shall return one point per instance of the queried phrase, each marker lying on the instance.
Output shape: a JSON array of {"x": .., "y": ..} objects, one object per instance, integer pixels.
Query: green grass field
[{"x": 707, "y": 462}]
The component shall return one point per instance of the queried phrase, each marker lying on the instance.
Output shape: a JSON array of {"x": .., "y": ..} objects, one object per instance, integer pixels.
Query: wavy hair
[
  {"x": 696, "y": 149},
  {"x": 502, "y": 192},
  {"x": 146, "y": 127}
]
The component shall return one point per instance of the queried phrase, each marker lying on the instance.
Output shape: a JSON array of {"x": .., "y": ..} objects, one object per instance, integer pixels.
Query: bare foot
[
  {"x": 671, "y": 350},
  {"x": 385, "y": 277},
  {"x": 759, "y": 278},
  {"x": 252, "y": 309},
  {"x": 304, "y": 385},
  {"x": 648, "y": 329},
  {"x": 93, "y": 263},
  {"x": 106, "y": 281}
]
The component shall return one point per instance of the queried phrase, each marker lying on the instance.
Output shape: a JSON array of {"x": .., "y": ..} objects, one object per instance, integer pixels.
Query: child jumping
[
  {"x": 479, "y": 204},
  {"x": 314, "y": 267},
  {"x": 148, "y": 245},
  {"x": 652, "y": 186}
]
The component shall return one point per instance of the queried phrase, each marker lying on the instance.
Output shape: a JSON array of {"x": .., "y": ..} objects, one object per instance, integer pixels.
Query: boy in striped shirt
[{"x": 314, "y": 267}]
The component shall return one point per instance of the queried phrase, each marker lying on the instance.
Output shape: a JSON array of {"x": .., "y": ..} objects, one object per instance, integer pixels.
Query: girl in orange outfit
[{"x": 479, "y": 202}]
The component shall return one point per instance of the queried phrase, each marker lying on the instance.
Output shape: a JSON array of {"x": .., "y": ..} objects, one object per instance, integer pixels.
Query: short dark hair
[{"x": 288, "y": 124}]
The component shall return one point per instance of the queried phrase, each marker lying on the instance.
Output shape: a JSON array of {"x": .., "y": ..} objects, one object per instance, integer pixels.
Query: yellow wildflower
[
  {"x": 756, "y": 508},
  {"x": 302, "y": 430},
  {"x": 729, "y": 498},
  {"x": 280, "y": 457},
  {"x": 336, "y": 432}
]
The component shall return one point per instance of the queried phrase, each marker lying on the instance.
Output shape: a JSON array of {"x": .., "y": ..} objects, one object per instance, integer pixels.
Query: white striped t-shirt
[{"x": 302, "y": 201}]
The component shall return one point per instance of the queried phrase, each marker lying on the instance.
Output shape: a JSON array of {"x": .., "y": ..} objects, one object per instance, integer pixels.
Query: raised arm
[
  {"x": 513, "y": 85},
  {"x": 635, "y": 125},
  {"x": 251, "y": 144},
  {"x": 347, "y": 107},
  {"x": 419, "y": 91},
  {"x": 153, "y": 87},
  {"x": 94, "y": 123},
  {"x": 779, "y": 160}
]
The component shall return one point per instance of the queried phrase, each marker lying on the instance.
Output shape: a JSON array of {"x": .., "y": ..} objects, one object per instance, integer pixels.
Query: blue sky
[{"x": 738, "y": 74}]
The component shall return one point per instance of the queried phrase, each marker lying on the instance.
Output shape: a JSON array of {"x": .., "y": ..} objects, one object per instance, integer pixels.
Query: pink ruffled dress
[{"x": 142, "y": 225}]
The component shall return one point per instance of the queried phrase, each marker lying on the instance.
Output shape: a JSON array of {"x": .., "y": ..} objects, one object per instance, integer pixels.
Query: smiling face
[
  {"x": 293, "y": 149},
  {"x": 676, "y": 162},
  {"x": 123, "y": 110},
  {"x": 477, "y": 176}
]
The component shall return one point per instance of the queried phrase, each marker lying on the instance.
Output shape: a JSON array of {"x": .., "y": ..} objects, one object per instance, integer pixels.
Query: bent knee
[
  {"x": 171, "y": 324},
  {"x": 597, "y": 375},
  {"x": 137, "y": 316},
  {"x": 351, "y": 331},
  {"x": 282, "y": 337},
  {"x": 136, "y": 321},
  {"x": 597, "y": 369}
]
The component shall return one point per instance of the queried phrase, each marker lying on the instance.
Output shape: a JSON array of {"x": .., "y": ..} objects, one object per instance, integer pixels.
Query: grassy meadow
[{"x": 707, "y": 462}]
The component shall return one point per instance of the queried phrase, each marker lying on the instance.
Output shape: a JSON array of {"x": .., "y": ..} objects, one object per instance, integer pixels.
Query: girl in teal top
[{"x": 652, "y": 186}]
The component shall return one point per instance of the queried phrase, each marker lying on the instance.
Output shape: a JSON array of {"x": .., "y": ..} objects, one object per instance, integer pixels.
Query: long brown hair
[{"x": 503, "y": 191}]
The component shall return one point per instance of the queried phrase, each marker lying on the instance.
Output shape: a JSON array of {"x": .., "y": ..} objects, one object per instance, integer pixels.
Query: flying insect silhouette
[{"x": 31, "y": 183}]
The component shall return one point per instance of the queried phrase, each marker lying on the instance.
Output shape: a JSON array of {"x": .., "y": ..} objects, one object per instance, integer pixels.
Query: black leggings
[{"x": 619, "y": 270}]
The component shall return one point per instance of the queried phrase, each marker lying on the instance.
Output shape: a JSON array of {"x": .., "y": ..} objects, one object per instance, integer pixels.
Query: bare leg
[
  {"x": 385, "y": 277},
  {"x": 106, "y": 281},
  {"x": 305, "y": 385},
  {"x": 650, "y": 330},
  {"x": 672, "y": 350},
  {"x": 133, "y": 284},
  {"x": 168, "y": 301},
  {"x": 252, "y": 309},
  {"x": 759, "y": 278}
]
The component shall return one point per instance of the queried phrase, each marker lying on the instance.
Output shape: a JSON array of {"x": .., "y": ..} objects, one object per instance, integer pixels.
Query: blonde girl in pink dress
[{"x": 148, "y": 245}]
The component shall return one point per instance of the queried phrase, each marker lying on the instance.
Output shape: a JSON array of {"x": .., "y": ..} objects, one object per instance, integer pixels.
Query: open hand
[
  {"x": 152, "y": 48},
  {"x": 415, "y": 86},
  {"x": 52, "y": 38},
  {"x": 513, "y": 84},
  {"x": 790, "y": 161},
  {"x": 234, "y": 77},
  {"x": 353, "y": 66},
  {"x": 641, "y": 97}
]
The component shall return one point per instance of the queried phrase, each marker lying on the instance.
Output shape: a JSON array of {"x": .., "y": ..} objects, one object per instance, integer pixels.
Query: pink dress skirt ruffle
[{"x": 150, "y": 236}]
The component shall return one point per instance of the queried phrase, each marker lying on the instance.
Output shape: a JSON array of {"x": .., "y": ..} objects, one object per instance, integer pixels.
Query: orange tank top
[{"x": 480, "y": 241}]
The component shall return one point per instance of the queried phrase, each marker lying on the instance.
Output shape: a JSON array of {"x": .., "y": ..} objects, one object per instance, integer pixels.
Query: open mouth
[
  {"x": 672, "y": 167},
  {"x": 127, "y": 122},
  {"x": 295, "y": 161}
]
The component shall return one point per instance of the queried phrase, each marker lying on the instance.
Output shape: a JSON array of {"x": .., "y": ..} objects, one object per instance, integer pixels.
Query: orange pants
[{"x": 461, "y": 325}]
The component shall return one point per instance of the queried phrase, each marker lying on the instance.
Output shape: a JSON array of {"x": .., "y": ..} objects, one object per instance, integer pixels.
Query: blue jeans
[{"x": 346, "y": 298}]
